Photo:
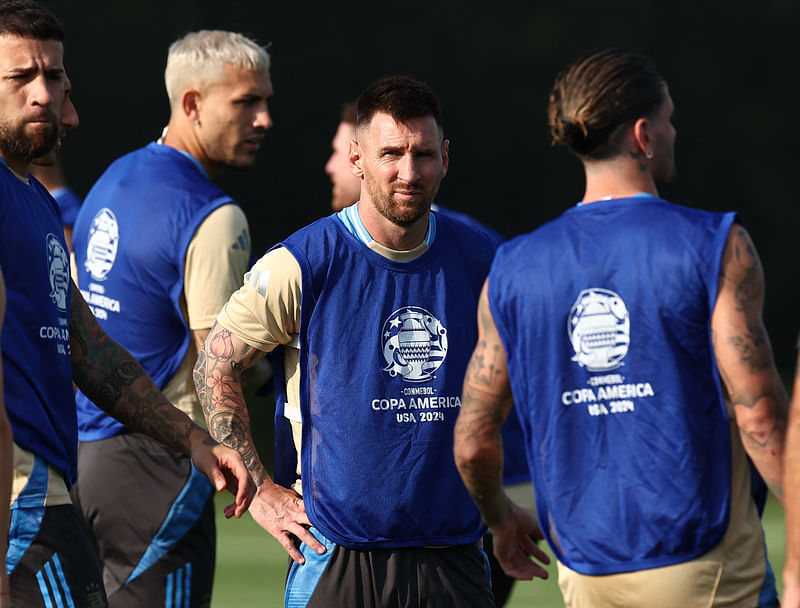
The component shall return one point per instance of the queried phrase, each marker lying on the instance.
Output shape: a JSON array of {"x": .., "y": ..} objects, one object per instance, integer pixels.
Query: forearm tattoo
[
  {"x": 217, "y": 379},
  {"x": 745, "y": 358},
  {"x": 485, "y": 401},
  {"x": 116, "y": 383}
]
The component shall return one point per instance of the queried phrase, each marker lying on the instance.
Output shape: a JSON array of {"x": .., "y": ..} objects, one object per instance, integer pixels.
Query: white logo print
[
  {"x": 414, "y": 344},
  {"x": 103, "y": 242},
  {"x": 58, "y": 261},
  {"x": 599, "y": 329}
]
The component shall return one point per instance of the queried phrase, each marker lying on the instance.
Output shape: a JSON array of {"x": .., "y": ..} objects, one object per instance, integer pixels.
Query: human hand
[
  {"x": 514, "y": 541},
  {"x": 281, "y": 512},
  {"x": 225, "y": 469}
]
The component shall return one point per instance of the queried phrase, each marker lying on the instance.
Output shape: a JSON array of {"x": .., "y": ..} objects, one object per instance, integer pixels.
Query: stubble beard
[
  {"x": 15, "y": 142},
  {"x": 403, "y": 216}
]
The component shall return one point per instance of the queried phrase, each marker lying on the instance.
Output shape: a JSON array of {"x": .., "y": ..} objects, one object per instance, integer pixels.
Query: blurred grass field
[{"x": 251, "y": 565}]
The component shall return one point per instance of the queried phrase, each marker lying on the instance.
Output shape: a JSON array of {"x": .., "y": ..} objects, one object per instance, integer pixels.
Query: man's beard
[
  {"x": 16, "y": 143},
  {"x": 392, "y": 211}
]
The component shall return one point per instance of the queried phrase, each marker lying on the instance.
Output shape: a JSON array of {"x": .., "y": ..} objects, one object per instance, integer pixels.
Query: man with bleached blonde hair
[{"x": 159, "y": 249}]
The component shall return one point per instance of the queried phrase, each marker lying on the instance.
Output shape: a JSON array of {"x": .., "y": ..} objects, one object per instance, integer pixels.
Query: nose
[
  {"x": 69, "y": 115},
  {"x": 407, "y": 169},
  {"x": 43, "y": 91},
  {"x": 263, "y": 120},
  {"x": 330, "y": 164}
]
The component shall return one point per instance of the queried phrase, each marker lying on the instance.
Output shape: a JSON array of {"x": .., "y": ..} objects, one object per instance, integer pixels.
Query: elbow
[
  {"x": 470, "y": 453},
  {"x": 761, "y": 422}
]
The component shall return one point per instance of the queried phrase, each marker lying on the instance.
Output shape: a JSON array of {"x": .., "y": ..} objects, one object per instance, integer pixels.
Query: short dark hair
[
  {"x": 595, "y": 96},
  {"x": 27, "y": 19},
  {"x": 401, "y": 97}
]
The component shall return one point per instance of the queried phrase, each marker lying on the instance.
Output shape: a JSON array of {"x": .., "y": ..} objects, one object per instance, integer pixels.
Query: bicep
[
  {"x": 741, "y": 344},
  {"x": 487, "y": 392}
]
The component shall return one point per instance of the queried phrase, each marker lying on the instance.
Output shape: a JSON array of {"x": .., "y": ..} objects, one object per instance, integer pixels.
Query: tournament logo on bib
[
  {"x": 599, "y": 329},
  {"x": 414, "y": 344},
  {"x": 58, "y": 263},
  {"x": 103, "y": 242}
]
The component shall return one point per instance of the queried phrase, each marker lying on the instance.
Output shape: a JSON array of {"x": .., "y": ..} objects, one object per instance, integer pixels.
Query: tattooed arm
[
  {"x": 115, "y": 382},
  {"x": 744, "y": 358},
  {"x": 218, "y": 380},
  {"x": 478, "y": 451}
]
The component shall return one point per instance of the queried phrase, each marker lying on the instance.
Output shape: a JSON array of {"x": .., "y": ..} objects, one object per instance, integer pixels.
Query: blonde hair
[{"x": 198, "y": 59}]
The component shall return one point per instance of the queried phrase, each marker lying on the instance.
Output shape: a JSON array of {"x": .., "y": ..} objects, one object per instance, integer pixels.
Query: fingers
[
  {"x": 291, "y": 549},
  {"x": 309, "y": 539},
  {"x": 216, "y": 478},
  {"x": 530, "y": 547},
  {"x": 281, "y": 512},
  {"x": 243, "y": 490},
  {"x": 520, "y": 566},
  {"x": 235, "y": 477}
]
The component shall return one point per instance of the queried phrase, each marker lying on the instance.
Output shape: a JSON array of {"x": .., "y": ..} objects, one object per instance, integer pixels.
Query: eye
[{"x": 247, "y": 101}]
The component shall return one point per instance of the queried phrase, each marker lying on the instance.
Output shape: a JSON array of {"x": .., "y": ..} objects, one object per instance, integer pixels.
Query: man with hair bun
[
  {"x": 159, "y": 250},
  {"x": 371, "y": 311},
  {"x": 628, "y": 335}
]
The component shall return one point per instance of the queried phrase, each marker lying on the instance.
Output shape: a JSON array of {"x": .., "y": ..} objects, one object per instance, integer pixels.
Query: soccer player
[
  {"x": 159, "y": 249},
  {"x": 346, "y": 188},
  {"x": 370, "y": 310},
  {"x": 50, "y": 339},
  {"x": 610, "y": 328}
]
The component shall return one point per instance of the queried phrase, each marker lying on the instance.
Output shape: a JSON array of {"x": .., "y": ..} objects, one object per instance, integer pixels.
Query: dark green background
[{"x": 728, "y": 66}]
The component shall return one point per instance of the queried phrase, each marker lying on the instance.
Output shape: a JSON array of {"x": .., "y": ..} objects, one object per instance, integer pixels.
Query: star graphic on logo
[{"x": 394, "y": 322}]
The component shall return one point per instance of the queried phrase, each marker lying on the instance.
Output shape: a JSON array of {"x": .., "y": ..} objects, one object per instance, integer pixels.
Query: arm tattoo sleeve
[
  {"x": 116, "y": 383},
  {"x": 742, "y": 267},
  {"x": 217, "y": 379}
]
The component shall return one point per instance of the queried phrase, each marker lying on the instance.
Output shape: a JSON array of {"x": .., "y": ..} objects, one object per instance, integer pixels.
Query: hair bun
[{"x": 569, "y": 132}]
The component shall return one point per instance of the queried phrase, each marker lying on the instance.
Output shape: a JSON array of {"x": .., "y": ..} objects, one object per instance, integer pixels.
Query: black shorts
[
  {"x": 53, "y": 561},
  {"x": 151, "y": 514},
  {"x": 419, "y": 577}
]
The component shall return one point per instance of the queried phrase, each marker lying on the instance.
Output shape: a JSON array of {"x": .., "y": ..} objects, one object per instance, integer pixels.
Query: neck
[
  {"x": 181, "y": 136},
  {"x": 20, "y": 166},
  {"x": 616, "y": 178},
  {"x": 387, "y": 233}
]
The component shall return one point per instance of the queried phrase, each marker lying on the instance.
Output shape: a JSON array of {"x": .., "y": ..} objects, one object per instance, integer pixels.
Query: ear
[
  {"x": 642, "y": 138},
  {"x": 190, "y": 102},
  {"x": 356, "y": 158},
  {"x": 445, "y": 156}
]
